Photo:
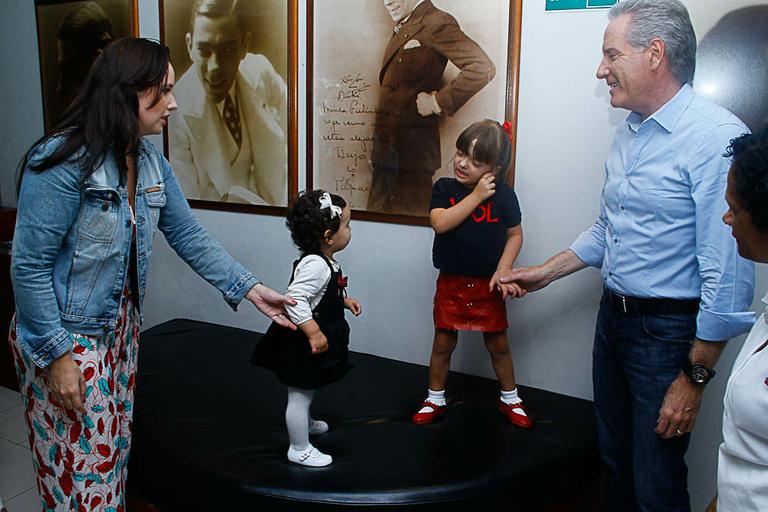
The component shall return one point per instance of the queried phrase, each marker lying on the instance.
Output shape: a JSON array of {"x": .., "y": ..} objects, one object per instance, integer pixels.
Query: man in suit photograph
[
  {"x": 413, "y": 99},
  {"x": 228, "y": 140}
]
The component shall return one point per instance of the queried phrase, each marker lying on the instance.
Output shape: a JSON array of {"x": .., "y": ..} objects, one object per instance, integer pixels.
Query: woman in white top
[{"x": 742, "y": 478}]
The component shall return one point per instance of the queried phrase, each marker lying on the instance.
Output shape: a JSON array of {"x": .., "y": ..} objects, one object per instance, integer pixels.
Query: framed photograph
[
  {"x": 393, "y": 86},
  {"x": 70, "y": 35},
  {"x": 232, "y": 142}
]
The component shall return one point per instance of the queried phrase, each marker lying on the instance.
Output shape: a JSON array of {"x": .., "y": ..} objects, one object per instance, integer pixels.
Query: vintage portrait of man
[
  {"x": 228, "y": 140},
  {"x": 413, "y": 98},
  {"x": 386, "y": 117},
  {"x": 71, "y": 35}
]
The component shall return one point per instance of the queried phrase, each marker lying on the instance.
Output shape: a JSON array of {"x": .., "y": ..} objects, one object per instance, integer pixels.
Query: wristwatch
[{"x": 698, "y": 373}]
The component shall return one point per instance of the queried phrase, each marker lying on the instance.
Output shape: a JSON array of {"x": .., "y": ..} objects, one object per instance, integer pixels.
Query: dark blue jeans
[{"x": 635, "y": 359}]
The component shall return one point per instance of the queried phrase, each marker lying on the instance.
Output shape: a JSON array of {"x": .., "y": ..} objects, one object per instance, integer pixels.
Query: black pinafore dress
[{"x": 288, "y": 354}]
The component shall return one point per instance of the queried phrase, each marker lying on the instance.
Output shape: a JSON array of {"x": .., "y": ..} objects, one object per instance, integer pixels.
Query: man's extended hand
[
  {"x": 529, "y": 279},
  {"x": 537, "y": 277}
]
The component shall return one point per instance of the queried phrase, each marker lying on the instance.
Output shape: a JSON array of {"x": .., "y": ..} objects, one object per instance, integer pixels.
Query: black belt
[{"x": 643, "y": 306}]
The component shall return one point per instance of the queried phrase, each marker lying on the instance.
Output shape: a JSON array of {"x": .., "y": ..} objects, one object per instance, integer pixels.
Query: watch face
[{"x": 699, "y": 375}]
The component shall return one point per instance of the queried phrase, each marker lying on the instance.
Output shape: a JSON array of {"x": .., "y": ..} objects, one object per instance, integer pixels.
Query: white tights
[{"x": 297, "y": 417}]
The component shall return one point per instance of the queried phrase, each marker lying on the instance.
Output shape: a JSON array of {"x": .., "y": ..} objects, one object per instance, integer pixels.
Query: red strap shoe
[
  {"x": 425, "y": 418},
  {"x": 521, "y": 420}
]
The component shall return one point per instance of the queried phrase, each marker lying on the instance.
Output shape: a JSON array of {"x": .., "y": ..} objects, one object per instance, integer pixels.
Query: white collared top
[{"x": 742, "y": 477}]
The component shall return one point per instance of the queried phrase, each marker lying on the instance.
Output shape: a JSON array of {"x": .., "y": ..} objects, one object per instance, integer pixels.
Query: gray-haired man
[{"x": 675, "y": 286}]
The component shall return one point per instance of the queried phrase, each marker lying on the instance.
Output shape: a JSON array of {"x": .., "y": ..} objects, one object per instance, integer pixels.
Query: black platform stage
[{"x": 210, "y": 435}]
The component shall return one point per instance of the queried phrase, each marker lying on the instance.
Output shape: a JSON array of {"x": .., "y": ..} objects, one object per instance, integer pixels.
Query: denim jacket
[{"x": 72, "y": 247}]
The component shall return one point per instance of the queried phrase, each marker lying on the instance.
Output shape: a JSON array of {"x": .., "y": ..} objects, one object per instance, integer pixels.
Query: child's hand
[
  {"x": 495, "y": 283},
  {"x": 512, "y": 291},
  {"x": 318, "y": 342},
  {"x": 486, "y": 187},
  {"x": 353, "y": 305}
]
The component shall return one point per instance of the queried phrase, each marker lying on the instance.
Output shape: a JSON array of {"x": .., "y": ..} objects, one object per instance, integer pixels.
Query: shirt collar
[
  {"x": 401, "y": 22},
  {"x": 232, "y": 96},
  {"x": 669, "y": 114}
]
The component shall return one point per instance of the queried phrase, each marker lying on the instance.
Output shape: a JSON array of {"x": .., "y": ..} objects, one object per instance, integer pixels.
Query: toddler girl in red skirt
[{"x": 476, "y": 219}]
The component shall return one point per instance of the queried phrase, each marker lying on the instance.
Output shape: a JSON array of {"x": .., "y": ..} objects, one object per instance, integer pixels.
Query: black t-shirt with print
[{"x": 473, "y": 248}]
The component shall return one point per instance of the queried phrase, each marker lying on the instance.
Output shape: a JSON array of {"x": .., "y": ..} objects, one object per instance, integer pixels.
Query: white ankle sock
[
  {"x": 435, "y": 397},
  {"x": 510, "y": 397}
]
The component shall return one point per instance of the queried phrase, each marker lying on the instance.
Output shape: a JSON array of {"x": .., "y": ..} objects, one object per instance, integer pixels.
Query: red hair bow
[{"x": 508, "y": 128}]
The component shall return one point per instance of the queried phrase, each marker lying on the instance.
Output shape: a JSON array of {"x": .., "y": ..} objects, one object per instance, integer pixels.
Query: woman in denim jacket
[{"x": 92, "y": 194}]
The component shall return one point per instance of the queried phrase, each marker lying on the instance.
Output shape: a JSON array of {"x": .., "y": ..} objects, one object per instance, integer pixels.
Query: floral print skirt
[{"x": 81, "y": 460}]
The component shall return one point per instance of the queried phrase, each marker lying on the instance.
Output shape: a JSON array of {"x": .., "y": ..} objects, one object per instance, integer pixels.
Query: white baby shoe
[{"x": 311, "y": 457}]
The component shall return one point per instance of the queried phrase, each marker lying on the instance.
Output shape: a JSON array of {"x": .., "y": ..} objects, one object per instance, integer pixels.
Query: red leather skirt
[{"x": 464, "y": 303}]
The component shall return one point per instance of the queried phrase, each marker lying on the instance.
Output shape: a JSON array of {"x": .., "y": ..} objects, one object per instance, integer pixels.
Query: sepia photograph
[
  {"x": 383, "y": 120},
  {"x": 228, "y": 142},
  {"x": 70, "y": 36}
]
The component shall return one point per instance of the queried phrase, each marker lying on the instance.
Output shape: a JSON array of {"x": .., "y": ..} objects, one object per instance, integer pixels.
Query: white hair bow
[{"x": 325, "y": 202}]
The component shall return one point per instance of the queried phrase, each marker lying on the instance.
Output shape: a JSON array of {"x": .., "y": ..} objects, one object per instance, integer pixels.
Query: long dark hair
[{"x": 104, "y": 116}]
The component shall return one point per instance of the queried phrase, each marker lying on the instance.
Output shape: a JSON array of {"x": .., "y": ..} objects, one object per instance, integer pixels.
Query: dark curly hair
[
  {"x": 308, "y": 223},
  {"x": 750, "y": 170}
]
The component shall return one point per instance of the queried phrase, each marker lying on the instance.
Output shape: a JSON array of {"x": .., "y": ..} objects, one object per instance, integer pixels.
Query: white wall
[
  {"x": 565, "y": 128},
  {"x": 21, "y": 105}
]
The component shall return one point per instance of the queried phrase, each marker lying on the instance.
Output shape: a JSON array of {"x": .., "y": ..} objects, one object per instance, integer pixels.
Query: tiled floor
[{"x": 17, "y": 478}]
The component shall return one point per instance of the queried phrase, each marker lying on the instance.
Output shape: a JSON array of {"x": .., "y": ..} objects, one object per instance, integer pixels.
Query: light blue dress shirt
[{"x": 660, "y": 232}]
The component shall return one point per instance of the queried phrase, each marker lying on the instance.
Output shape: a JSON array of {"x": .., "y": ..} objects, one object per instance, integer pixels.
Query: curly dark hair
[
  {"x": 308, "y": 223},
  {"x": 750, "y": 170}
]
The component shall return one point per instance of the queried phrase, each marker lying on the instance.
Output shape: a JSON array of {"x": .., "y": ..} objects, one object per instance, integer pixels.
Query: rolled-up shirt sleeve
[
  {"x": 727, "y": 280},
  {"x": 310, "y": 280},
  {"x": 590, "y": 245}
]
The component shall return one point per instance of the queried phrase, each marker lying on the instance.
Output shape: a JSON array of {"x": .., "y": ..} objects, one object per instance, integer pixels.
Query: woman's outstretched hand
[{"x": 271, "y": 303}]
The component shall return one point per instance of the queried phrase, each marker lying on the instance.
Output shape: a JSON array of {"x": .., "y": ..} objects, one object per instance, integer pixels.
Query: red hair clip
[{"x": 508, "y": 128}]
